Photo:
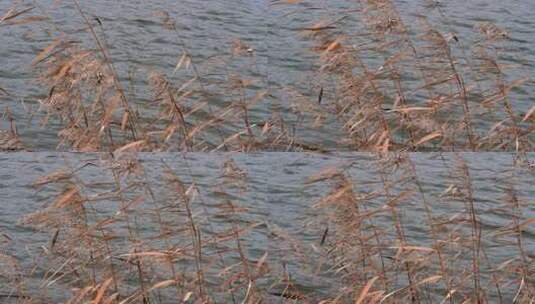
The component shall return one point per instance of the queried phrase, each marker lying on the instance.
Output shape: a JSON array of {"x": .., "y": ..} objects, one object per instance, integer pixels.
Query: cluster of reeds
[
  {"x": 118, "y": 240},
  {"x": 416, "y": 88},
  {"x": 447, "y": 257},
  {"x": 165, "y": 237},
  {"x": 97, "y": 108},
  {"x": 388, "y": 86},
  {"x": 126, "y": 238}
]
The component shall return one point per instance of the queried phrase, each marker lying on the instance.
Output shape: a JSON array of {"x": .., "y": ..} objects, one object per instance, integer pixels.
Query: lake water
[
  {"x": 279, "y": 198},
  {"x": 275, "y": 193},
  {"x": 282, "y": 56}
]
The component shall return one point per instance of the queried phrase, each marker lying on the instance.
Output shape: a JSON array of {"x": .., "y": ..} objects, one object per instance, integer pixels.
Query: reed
[
  {"x": 382, "y": 85},
  {"x": 126, "y": 238}
]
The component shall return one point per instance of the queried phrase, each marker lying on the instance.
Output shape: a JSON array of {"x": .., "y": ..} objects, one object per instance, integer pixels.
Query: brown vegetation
[
  {"x": 387, "y": 86},
  {"x": 126, "y": 238}
]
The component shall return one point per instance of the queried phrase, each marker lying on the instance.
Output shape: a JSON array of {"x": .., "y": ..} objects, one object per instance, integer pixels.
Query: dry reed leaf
[
  {"x": 25, "y": 20},
  {"x": 528, "y": 114},
  {"x": 325, "y": 174},
  {"x": 383, "y": 143},
  {"x": 266, "y": 128},
  {"x": 228, "y": 269},
  {"x": 411, "y": 109},
  {"x": 67, "y": 197},
  {"x": 505, "y": 264},
  {"x": 335, "y": 45},
  {"x": 162, "y": 284},
  {"x": 10, "y": 14},
  {"x": 261, "y": 261},
  {"x": 334, "y": 197},
  {"x": 124, "y": 121},
  {"x": 108, "y": 113},
  {"x": 229, "y": 139},
  {"x": 428, "y": 138},
  {"x": 184, "y": 60},
  {"x": 497, "y": 125},
  {"x": 187, "y": 296},
  {"x": 81, "y": 294},
  {"x": 102, "y": 290},
  {"x": 322, "y": 25},
  {"x": 169, "y": 132},
  {"x": 192, "y": 192},
  {"x": 46, "y": 51},
  {"x": 62, "y": 70},
  {"x": 431, "y": 279},
  {"x": 187, "y": 84},
  {"x": 449, "y": 295},
  {"x": 52, "y": 178},
  {"x": 365, "y": 291},
  {"x": 354, "y": 127},
  {"x": 413, "y": 248},
  {"x": 134, "y": 146}
]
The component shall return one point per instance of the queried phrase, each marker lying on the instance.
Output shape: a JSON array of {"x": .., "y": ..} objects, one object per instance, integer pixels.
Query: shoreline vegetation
[
  {"x": 156, "y": 229},
  {"x": 388, "y": 89},
  {"x": 385, "y": 87}
]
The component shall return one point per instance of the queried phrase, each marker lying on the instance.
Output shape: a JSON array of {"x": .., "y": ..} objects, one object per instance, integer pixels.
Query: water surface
[
  {"x": 277, "y": 195},
  {"x": 282, "y": 56}
]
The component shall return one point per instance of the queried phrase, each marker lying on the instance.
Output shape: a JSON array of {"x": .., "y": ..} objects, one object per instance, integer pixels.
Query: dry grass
[
  {"x": 421, "y": 96},
  {"x": 125, "y": 238},
  {"x": 389, "y": 86}
]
